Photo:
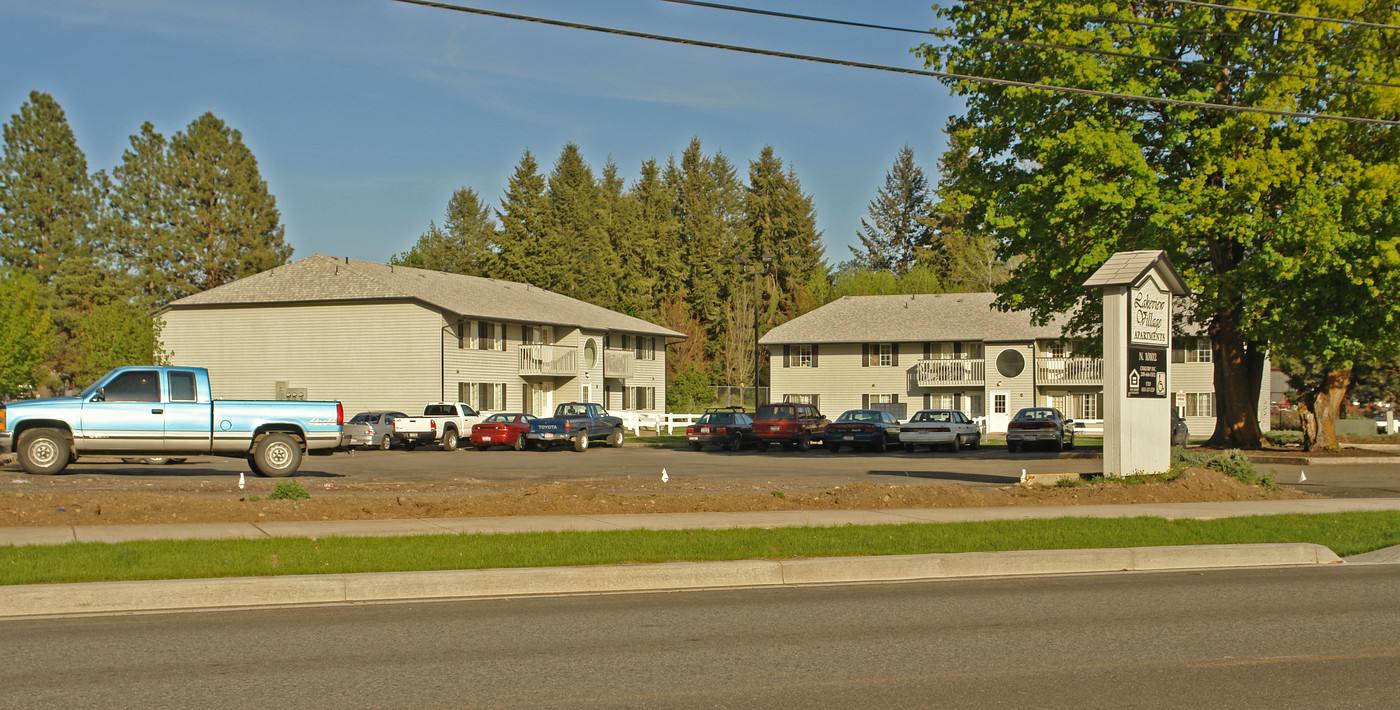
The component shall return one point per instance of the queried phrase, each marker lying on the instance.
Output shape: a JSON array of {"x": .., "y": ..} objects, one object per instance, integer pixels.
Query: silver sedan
[
  {"x": 371, "y": 430},
  {"x": 940, "y": 427}
]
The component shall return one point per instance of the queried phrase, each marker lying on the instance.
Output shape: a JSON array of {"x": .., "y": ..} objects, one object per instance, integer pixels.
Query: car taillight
[
  {"x": 690, "y": 430},
  {"x": 432, "y": 424},
  {"x": 940, "y": 428},
  {"x": 339, "y": 416}
]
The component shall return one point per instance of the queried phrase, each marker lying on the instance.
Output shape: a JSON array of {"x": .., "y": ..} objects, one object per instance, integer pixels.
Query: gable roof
[
  {"x": 322, "y": 279},
  {"x": 1126, "y": 268},
  {"x": 910, "y": 318}
]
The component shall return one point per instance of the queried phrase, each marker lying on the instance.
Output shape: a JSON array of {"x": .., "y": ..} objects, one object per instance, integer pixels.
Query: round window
[
  {"x": 1010, "y": 363},
  {"x": 590, "y": 354}
]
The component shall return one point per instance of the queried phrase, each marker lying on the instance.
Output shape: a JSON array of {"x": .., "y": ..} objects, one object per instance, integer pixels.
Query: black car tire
[
  {"x": 805, "y": 443},
  {"x": 880, "y": 445},
  {"x": 386, "y": 443},
  {"x": 1011, "y": 447},
  {"x": 519, "y": 442},
  {"x": 956, "y": 446},
  {"x": 761, "y": 445},
  {"x": 910, "y": 448},
  {"x": 581, "y": 441},
  {"x": 449, "y": 440},
  {"x": 736, "y": 442},
  {"x": 1070, "y": 445},
  {"x": 43, "y": 452},
  {"x": 615, "y": 438},
  {"x": 275, "y": 455},
  {"x": 697, "y": 446},
  {"x": 833, "y": 447}
]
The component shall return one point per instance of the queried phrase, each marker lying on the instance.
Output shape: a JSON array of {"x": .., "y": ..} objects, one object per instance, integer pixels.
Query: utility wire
[
  {"x": 899, "y": 70},
  {"x": 1289, "y": 15},
  {"x": 943, "y": 34},
  {"x": 1177, "y": 28}
]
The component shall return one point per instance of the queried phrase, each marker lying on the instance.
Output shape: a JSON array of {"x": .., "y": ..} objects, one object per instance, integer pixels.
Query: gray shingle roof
[
  {"x": 1126, "y": 267},
  {"x": 322, "y": 278},
  {"x": 910, "y": 318}
]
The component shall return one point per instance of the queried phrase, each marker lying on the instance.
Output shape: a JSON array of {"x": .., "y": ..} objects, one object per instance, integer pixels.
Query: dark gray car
[{"x": 1040, "y": 425}]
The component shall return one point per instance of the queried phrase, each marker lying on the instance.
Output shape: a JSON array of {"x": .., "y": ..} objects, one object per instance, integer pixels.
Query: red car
[
  {"x": 789, "y": 424},
  {"x": 505, "y": 429}
]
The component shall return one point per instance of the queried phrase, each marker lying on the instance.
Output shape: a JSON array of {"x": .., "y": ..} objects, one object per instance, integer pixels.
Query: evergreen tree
[
  {"x": 26, "y": 335},
  {"x": 224, "y": 212},
  {"x": 521, "y": 214},
  {"x": 144, "y": 204},
  {"x": 576, "y": 257},
  {"x": 896, "y": 232},
  {"x": 708, "y": 209},
  {"x": 464, "y": 247},
  {"x": 783, "y": 223},
  {"x": 659, "y": 254}
]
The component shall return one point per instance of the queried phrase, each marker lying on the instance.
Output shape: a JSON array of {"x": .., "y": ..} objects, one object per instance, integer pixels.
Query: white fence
[{"x": 655, "y": 421}]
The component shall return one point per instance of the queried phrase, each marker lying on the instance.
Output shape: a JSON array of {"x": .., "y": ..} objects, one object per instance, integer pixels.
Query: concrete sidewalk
[{"x": 110, "y": 597}]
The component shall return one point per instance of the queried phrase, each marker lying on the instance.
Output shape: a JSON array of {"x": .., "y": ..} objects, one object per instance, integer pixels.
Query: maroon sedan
[{"x": 504, "y": 429}]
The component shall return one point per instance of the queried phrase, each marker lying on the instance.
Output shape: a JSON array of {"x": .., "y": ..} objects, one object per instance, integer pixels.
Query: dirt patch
[{"x": 111, "y": 500}]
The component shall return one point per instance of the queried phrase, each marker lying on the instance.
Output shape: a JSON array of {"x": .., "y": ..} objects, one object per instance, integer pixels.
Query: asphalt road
[
  {"x": 1262, "y": 638},
  {"x": 991, "y": 466}
]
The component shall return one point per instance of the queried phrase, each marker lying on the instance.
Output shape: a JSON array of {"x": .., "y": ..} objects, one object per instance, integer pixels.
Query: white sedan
[{"x": 940, "y": 427}]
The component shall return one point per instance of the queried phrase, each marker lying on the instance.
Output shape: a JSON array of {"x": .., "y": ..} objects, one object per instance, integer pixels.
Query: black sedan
[{"x": 871, "y": 428}]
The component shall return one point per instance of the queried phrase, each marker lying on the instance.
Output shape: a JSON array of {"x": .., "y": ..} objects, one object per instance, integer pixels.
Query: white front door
[
  {"x": 588, "y": 393},
  {"x": 999, "y": 414}
]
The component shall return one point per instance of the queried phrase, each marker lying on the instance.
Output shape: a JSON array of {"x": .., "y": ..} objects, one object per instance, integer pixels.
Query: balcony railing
[
  {"x": 938, "y": 373},
  {"x": 618, "y": 363},
  {"x": 548, "y": 360},
  {"x": 1069, "y": 371}
]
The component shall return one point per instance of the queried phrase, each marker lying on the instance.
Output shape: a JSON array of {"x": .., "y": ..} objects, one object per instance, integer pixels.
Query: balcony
[
  {"x": 618, "y": 363},
  {"x": 951, "y": 372},
  {"x": 1069, "y": 371},
  {"x": 548, "y": 360}
]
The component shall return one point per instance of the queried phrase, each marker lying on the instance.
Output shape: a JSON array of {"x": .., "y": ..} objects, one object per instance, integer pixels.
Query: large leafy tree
[
  {"x": 225, "y": 218},
  {"x": 896, "y": 229},
  {"x": 1283, "y": 227},
  {"x": 115, "y": 334},
  {"x": 463, "y": 245},
  {"x": 26, "y": 334}
]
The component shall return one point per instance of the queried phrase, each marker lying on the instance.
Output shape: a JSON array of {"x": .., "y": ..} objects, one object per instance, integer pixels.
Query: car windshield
[
  {"x": 1035, "y": 414},
  {"x": 859, "y": 415},
  {"x": 718, "y": 418},
  {"x": 776, "y": 412},
  {"x": 934, "y": 416}
]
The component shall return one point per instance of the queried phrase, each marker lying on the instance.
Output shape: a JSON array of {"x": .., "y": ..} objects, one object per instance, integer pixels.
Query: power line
[
  {"x": 1177, "y": 28},
  {"x": 943, "y": 34},
  {"x": 899, "y": 70},
  {"x": 1289, "y": 15}
]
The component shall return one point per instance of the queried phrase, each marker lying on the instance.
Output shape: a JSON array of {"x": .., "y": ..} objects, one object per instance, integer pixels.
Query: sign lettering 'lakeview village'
[{"x": 1149, "y": 324}]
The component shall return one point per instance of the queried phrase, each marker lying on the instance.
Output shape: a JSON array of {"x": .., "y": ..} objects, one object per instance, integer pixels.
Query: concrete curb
[{"x": 167, "y": 595}]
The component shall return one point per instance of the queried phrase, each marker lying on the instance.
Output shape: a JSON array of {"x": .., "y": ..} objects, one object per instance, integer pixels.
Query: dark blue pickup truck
[{"x": 576, "y": 423}]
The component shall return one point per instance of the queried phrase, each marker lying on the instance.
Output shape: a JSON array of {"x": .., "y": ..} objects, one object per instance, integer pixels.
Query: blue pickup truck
[
  {"x": 576, "y": 423},
  {"x": 166, "y": 411}
]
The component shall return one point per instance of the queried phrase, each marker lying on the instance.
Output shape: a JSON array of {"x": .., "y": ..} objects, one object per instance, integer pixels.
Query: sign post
[{"x": 1138, "y": 287}]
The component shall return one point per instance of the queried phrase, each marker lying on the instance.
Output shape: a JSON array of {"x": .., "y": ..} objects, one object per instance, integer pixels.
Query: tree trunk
[
  {"x": 1239, "y": 366},
  {"x": 1318, "y": 408}
]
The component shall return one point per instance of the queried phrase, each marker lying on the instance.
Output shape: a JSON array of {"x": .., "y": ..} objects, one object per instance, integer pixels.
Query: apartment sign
[
  {"x": 1147, "y": 372},
  {"x": 1149, "y": 314}
]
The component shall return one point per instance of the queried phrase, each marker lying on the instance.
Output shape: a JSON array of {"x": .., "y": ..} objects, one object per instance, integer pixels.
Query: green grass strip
[{"x": 1345, "y": 533}]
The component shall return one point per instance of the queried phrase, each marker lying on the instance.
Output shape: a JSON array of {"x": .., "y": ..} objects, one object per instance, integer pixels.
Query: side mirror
[{"x": 99, "y": 396}]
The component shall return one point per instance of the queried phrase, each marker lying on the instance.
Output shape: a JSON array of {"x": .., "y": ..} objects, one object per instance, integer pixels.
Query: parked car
[
  {"x": 144, "y": 412},
  {"x": 371, "y": 430},
  {"x": 940, "y": 427},
  {"x": 730, "y": 427},
  {"x": 872, "y": 428},
  {"x": 1036, "y": 425},
  {"x": 577, "y": 423},
  {"x": 504, "y": 429},
  {"x": 1180, "y": 432},
  {"x": 789, "y": 424},
  {"x": 443, "y": 422}
]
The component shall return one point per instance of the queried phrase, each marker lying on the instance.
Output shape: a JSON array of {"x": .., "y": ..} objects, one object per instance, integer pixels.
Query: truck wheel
[
  {"x": 519, "y": 442},
  {"x": 276, "y": 455},
  {"x": 615, "y": 438},
  {"x": 449, "y": 440},
  {"x": 581, "y": 441},
  {"x": 43, "y": 452},
  {"x": 385, "y": 442},
  {"x": 805, "y": 443}
]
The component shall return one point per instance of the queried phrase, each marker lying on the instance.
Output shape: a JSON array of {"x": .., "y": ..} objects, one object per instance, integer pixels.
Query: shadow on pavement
[{"x": 948, "y": 476}]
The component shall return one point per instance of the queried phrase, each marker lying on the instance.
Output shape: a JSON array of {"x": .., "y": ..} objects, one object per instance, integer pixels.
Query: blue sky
[{"x": 365, "y": 115}]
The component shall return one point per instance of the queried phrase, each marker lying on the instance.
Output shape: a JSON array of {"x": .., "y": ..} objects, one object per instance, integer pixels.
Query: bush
[
  {"x": 1231, "y": 462},
  {"x": 1284, "y": 437},
  {"x": 288, "y": 490}
]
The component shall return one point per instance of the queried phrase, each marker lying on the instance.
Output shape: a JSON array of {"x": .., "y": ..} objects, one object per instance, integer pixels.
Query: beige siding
[
  {"x": 841, "y": 380},
  {"x": 367, "y": 356}
]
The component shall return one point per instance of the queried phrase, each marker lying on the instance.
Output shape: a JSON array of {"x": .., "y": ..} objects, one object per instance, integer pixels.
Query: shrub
[
  {"x": 288, "y": 490},
  {"x": 1284, "y": 437},
  {"x": 1231, "y": 462}
]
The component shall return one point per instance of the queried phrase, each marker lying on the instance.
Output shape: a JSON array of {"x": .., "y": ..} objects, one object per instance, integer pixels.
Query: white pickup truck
[{"x": 443, "y": 422}]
